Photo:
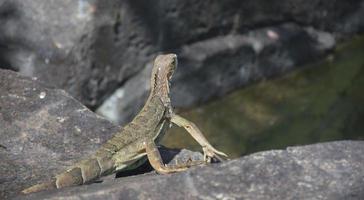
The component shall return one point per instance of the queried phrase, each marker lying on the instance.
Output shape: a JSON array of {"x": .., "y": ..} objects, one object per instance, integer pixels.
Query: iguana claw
[{"x": 210, "y": 153}]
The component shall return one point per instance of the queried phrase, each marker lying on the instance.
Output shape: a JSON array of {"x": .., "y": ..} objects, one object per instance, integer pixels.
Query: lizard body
[{"x": 138, "y": 138}]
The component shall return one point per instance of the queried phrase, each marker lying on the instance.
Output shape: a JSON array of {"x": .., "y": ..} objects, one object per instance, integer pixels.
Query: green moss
[{"x": 321, "y": 102}]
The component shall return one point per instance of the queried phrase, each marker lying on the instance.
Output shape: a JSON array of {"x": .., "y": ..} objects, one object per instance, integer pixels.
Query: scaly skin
[{"x": 137, "y": 139}]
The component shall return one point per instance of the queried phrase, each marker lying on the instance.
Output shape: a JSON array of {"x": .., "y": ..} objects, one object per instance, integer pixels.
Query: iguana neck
[
  {"x": 161, "y": 91},
  {"x": 162, "y": 72}
]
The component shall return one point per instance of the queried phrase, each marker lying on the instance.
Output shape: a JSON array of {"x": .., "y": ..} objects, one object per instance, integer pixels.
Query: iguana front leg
[
  {"x": 156, "y": 161},
  {"x": 208, "y": 149}
]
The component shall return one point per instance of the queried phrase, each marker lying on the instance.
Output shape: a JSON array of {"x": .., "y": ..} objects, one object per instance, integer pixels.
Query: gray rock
[
  {"x": 92, "y": 47},
  {"x": 126, "y": 101},
  {"x": 87, "y": 47},
  {"x": 322, "y": 171},
  {"x": 42, "y": 131}
]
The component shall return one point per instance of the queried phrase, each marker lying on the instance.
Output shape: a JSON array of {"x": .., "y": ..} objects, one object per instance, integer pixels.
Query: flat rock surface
[{"x": 333, "y": 170}]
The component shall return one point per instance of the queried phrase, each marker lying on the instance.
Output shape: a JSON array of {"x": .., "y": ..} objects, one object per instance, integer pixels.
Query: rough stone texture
[
  {"x": 92, "y": 47},
  {"x": 42, "y": 131},
  {"x": 322, "y": 171}
]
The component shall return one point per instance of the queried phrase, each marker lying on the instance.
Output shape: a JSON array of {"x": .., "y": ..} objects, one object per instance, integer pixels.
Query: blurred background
[{"x": 253, "y": 74}]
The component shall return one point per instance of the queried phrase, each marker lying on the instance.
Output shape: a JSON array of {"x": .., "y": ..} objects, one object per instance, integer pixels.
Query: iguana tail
[
  {"x": 39, "y": 187},
  {"x": 83, "y": 172}
]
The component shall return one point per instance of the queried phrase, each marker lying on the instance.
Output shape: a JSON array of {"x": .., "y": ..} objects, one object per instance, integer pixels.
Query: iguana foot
[{"x": 209, "y": 153}]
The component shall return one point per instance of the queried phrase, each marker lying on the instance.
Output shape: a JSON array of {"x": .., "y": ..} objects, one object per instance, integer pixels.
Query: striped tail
[{"x": 84, "y": 172}]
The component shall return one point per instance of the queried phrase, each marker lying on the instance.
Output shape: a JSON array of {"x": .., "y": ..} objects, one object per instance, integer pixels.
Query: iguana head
[{"x": 163, "y": 69}]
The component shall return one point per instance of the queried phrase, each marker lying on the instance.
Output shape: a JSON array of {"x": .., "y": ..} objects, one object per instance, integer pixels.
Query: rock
[
  {"x": 331, "y": 170},
  {"x": 80, "y": 46},
  {"x": 42, "y": 131},
  {"x": 102, "y": 45},
  {"x": 126, "y": 101}
]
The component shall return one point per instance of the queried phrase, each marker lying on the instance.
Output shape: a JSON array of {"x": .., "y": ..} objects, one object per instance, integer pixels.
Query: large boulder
[
  {"x": 42, "y": 131},
  {"x": 322, "y": 171},
  {"x": 90, "y": 48}
]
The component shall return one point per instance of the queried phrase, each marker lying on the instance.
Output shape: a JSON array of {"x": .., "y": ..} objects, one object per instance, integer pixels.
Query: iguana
[{"x": 137, "y": 140}]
